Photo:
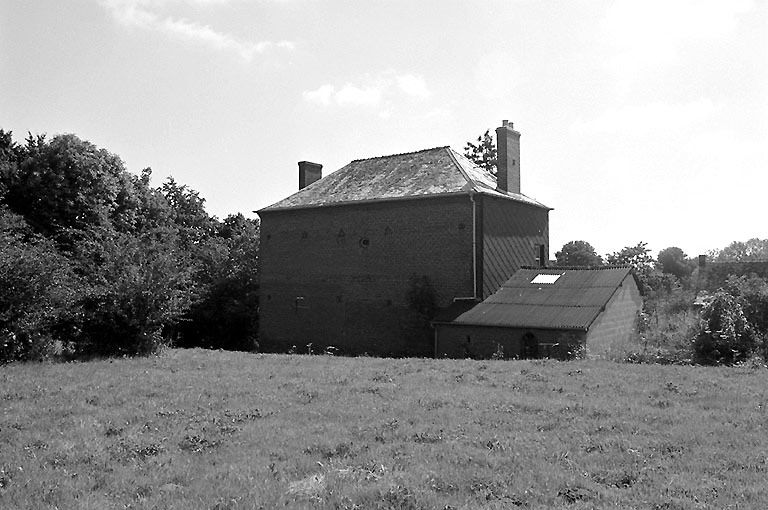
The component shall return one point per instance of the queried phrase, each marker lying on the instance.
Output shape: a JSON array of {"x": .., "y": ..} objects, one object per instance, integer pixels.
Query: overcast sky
[{"x": 640, "y": 120}]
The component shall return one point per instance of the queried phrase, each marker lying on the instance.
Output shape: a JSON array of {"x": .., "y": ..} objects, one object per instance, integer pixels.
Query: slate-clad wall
[
  {"x": 616, "y": 325},
  {"x": 511, "y": 232},
  {"x": 340, "y": 275}
]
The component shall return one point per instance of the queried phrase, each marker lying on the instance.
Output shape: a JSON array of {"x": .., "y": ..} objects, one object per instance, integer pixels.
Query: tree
[
  {"x": 67, "y": 184},
  {"x": 638, "y": 257},
  {"x": 578, "y": 253},
  {"x": 674, "y": 261},
  {"x": 225, "y": 315},
  {"x": 737, "y": 251},
  {"x": 483, "y": 154}
]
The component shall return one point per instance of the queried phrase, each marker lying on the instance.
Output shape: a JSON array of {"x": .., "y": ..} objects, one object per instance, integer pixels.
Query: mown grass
[{"x": 220, "y": 430}]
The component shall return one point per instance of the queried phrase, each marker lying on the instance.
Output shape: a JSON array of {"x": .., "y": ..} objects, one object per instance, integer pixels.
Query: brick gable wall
[{"x": 340, "y": 275}]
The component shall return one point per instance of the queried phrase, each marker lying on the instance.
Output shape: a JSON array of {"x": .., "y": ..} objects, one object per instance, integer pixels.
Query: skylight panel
[{"x": 545, "y": 278}]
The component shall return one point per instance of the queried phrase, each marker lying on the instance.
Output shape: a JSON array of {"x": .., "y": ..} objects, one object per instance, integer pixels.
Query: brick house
[
  {"x": 547, "y": 313},
  {"x": 342, "y": 259}
]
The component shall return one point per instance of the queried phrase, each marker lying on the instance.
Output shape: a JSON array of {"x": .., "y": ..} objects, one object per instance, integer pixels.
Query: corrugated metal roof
[
  {"x": 573, "y": 302},
  {"x": 424, "y": 173}
]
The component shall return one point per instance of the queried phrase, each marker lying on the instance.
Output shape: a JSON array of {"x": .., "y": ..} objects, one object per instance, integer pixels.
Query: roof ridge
[
  {"x": 452, "y": 153},
  {"x": 401, "y": 154}
]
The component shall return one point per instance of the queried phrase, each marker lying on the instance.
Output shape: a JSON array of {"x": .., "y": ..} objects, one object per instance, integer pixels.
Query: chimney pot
[{"x": 309, "y": 172}]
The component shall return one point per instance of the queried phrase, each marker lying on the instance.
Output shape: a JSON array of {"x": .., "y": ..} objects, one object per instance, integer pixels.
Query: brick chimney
[
  {"x": 508, "y": 158},
  {"x": 309, "y": 173}
]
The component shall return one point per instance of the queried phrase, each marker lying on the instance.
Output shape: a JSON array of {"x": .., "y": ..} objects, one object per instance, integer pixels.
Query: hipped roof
[
  {"x": 573, "y": 302},
  {"x": 429, "y": 172}
]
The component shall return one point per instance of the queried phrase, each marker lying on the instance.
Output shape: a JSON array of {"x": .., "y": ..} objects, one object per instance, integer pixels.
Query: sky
[{"x": 641, "y": 121}]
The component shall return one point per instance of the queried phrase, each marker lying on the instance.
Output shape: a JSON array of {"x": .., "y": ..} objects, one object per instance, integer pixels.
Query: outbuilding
[{"x": 552, "y": 312}]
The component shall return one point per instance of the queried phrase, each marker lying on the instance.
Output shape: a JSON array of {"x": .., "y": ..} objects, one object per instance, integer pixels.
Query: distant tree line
[{"x": 96, "y": 261}]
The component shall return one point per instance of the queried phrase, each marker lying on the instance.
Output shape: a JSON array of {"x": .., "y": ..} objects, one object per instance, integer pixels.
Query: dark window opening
[
  {"x": 338, "y": 299},
  {"x": 462, "y": 226},
  {"x": 304, "y": 235},
  {"x": 300, "y": 303},
  {"x": 269, "y": 236},
  {"x": 365, "y": 242}
]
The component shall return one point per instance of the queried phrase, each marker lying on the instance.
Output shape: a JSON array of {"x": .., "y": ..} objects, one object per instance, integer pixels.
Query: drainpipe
[{"x": 474, "y": 243}]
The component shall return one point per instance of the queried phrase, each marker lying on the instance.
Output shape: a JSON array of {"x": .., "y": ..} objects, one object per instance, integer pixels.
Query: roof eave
[{"x": 364, "y": 201}]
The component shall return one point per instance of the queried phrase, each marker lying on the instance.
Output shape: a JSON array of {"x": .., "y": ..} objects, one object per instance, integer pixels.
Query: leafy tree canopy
[
  {"x": 483, "y": 153},
  {"x": 674, "y": 261},
  {"x": 753, "y": 249},
  {"x": 95, "y": 259},
  {"x": 578, "y": 253}
]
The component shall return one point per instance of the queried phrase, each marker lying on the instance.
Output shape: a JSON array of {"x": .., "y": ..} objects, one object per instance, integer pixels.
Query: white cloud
[
  {"x": 370, "y": 92},
  {"x": 140, "y": 13},
  {"x": 321, "y": 96},
  {"x": 352, "y": 95},
  {"x": 413, "y": 85}
]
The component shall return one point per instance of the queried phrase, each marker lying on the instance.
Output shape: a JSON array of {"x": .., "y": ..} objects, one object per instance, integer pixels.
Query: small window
[
  {"x": 365, "y": 242},
  {"x": 545, "y": 278},
  {"x": 304, "y": 235}
]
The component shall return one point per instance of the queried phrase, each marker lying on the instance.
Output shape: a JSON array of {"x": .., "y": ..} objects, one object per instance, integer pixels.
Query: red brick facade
[{"x": 340, "y": 275}]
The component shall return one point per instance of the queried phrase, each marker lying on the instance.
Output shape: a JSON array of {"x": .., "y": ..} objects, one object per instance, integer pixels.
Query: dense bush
[
  {"x": 139, "y": 286},
  {"x": 726, "y": 335},
  {"x": 39, "y": 298}
]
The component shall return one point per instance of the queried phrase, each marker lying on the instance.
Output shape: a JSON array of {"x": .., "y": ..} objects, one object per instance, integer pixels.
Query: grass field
[{"x": 222, "y": 430}]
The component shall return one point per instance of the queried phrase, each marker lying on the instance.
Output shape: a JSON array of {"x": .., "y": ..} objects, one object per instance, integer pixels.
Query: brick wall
[
  {"x": 481, "y": 342},
  {"x": 511, "y": 231},
  {"x": 615, "y": 327},
  {"x": 714, "y": 274},
  {"x": 340, "y": 275}
]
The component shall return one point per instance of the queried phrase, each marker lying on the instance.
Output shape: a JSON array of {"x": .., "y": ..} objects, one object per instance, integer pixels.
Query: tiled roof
[
  {"x": 573, "y": 301},
  {"x": 428, "y": 172}
]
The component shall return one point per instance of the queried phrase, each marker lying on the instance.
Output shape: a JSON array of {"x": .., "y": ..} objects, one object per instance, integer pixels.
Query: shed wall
[
  {"x": 511, "y": 232},
  {"x": 481, "y": 342},
  {"x": 341, "y": 275},
  {"x": 615, "y": 327}
]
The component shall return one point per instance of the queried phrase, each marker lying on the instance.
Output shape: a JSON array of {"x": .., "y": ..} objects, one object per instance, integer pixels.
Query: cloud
[
  {"x": 413, "y": 85},
  {"x": 140, "y": 14},
  {"x": 369, "y": 92}
]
